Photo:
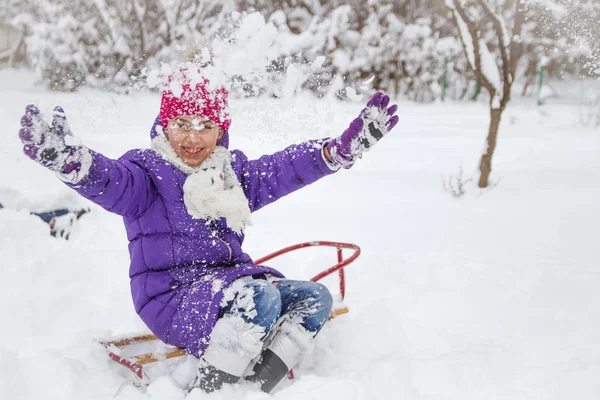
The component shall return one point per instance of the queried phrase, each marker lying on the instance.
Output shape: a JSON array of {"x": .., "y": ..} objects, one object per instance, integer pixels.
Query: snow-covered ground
[{"x": 490, "y": 296}]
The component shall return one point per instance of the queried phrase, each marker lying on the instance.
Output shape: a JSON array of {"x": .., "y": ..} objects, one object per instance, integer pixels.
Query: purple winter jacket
[{"x": 180, "y": 266}]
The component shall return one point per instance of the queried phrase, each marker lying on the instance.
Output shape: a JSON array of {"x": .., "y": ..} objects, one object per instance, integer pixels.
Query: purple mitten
[
  {"x": 374, "y": 122},
  {"x": 46, "y": 145}
]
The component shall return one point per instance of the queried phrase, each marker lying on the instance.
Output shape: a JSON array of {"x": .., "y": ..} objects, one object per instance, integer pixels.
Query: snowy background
[{"x": 490, "y": 295}]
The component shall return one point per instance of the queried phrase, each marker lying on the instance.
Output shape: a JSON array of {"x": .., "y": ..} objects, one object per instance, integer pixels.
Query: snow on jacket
[{"x": 180, "y": 265}]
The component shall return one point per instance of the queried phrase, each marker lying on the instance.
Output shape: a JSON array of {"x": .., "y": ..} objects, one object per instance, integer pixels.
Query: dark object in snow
[
  {"x": 268, "y": 371},
  {"x": 210, "y": 378},
  {"x": 61, "y": 220}
]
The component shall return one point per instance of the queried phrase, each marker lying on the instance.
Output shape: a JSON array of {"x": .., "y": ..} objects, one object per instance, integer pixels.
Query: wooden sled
[{"x": 136, "y": 361}]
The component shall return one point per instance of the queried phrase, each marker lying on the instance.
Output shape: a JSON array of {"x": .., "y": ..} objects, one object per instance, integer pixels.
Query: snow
[
  {"x": 293, "y": 81},
  {"x": 505, "y": 35},
  {"x": 235, "y": 339},
  {"x": 489, "y": 66},
  {"x": 489, "y": 296},
  {"x": 244, "y": 55},
  {"x": 216, "y": 193},
  {"x": 466, "y": 37}
]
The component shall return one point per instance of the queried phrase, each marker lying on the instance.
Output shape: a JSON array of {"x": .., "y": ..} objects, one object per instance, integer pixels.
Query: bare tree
[{"x": 472, "y": 17}]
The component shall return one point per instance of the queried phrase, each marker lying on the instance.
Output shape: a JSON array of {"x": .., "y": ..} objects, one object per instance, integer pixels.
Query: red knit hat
[{"x": 184, "y": 97}]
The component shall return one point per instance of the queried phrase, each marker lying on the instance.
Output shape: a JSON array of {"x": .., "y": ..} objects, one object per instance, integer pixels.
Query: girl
[{"x": 185, "y": 205}]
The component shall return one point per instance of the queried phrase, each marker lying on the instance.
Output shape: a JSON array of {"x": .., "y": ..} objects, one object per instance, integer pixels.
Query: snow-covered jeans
[
  {"x": 306, "y": 303},
  {"x": 251, "y": 308}
]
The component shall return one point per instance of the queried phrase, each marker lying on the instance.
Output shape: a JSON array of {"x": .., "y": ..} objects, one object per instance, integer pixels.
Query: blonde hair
[
  {"x": 191, "y": 53},
  {"x": 198, "y": 53}
]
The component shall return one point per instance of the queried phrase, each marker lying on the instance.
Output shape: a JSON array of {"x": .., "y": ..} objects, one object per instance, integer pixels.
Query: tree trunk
[{"x": 485, "y": 167}]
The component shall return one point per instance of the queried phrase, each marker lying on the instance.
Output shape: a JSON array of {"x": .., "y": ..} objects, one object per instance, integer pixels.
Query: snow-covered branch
[
  {"x": 481, "y": 60},
  {"x": 503, "y": 40}
]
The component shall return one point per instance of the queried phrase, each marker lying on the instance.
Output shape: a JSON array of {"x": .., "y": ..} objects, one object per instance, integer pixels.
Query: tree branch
[
  {"x": 516, "y": 46},
  {"x": 503, "y": 40},
  {"x": 168, "y": 38},
  {"x": 178, "y": 13},
  {"x": 140, "y": 17},
  {"x": 458, "y": 12}
]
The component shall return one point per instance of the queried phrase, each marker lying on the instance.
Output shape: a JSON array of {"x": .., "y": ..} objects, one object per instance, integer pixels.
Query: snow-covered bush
[
  {"x": 335, "y": 48},
  {"x": 58, "y": 54},
  {"x": 327, "y": 48},
  {"x": 107, "y": 43},
  {"x": 349, "y": 46}
]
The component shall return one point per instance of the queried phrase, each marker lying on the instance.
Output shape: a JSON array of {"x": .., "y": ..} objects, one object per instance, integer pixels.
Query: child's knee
[
  {"x": 323, "y": 298},
  {"x": 311, "y": 301},
  {"x": 267, "y": 302}
]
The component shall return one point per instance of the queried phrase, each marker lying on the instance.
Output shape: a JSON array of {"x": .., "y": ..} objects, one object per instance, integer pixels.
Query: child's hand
[
  {"x": 45, "y": 143},
  {"x": 374, "y": 122}
]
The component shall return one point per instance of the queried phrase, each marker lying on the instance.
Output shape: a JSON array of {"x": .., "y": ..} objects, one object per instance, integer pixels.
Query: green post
[
  {"x": 540, "y": 85},
  {"x": 477, "y": 89},
  {"x": 445, "y": 79}
]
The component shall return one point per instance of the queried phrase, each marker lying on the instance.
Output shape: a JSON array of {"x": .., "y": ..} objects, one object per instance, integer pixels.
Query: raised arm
[
  {"x": 273, "y": 176},
  {"x": 120, "y": 186}
]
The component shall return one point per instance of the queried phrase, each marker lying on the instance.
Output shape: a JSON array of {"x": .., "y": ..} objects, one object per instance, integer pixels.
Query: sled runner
[{"x": 132, "y": 352}]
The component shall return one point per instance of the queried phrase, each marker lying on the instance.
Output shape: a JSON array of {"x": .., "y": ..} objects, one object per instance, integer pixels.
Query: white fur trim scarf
[{"x": 211, "y": 190}]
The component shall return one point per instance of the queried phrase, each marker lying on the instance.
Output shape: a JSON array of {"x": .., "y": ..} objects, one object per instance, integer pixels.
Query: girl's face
[{"x": 193, "y": 138}]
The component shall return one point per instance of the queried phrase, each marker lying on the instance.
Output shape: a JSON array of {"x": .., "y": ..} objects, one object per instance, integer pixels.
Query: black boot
[
  {"x": 210, "y": 378},
  {"x": 269, "y": 371},
  {"x": 79, "y": 213}
]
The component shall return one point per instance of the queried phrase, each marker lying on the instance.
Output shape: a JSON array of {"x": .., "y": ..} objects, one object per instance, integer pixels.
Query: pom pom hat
[{"x": 189, "y": 93}]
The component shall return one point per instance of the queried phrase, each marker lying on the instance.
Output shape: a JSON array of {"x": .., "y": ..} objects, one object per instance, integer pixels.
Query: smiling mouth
[{"x": 192, "y": 151}]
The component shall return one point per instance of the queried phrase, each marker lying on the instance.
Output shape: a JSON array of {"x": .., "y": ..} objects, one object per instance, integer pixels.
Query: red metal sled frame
[{"x": 135, "y": 364}]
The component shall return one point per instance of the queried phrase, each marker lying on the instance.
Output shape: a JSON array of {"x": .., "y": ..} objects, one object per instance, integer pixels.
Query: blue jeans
[
  {"x": 47, "y": 216},
  {"x": 308, "y": 303}
]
